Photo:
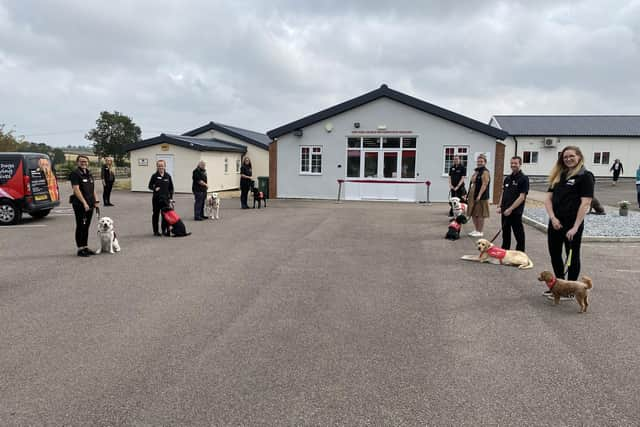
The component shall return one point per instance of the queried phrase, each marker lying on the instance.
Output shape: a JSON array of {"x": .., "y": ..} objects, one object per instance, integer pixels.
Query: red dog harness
[
  {"x": 496, "y": 252},
  {"x": 552, "y": 283},
  {"x": 455, "y": 225}
]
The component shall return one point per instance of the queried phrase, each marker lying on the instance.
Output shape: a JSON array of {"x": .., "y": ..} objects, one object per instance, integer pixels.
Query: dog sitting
[
  {"x": 258, "y": 196},
  {"x": 107, "y": 236},
  {"x": 175, "y": 224},
  {"x": 458, "y": 207},
  {"x": 212, "y": 206},
  {"x": 495, "y": 255},
  {"x": 596, "y": 207},
  {"x": 453, "y": 233},
  {"x": 565, "y": 288}
]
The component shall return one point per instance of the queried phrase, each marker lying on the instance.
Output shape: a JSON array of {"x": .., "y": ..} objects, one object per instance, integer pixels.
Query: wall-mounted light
[
  {"x": 328, "y": 126},
  {"x": 356, "y": 125},
  {"x": 297, "y": 132}
]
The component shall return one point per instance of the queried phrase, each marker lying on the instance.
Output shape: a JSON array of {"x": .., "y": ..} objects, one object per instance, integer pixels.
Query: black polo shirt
[
  {"x": 164, "y": 184},
  {"x": 456, "y": 172},
  {"x": 197, "y": 176},
  {"x": 84, "y": 180},
  {"x": 567, "y": 193},
  {"x": 512, "y": 187}
]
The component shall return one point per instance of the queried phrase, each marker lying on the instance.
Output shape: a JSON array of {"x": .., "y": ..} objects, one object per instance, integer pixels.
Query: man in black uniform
[
  {"x": 457, "y": 172},
  {"x": 199, "y": 189},
  {"x": 511, "y": 207},
  {"x": 162, "y": 186},
  {"x": 83, "y": 200}
]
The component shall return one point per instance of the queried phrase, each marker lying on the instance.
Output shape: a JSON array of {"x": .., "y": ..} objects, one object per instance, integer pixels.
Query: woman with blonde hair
[
  {"x": 568, "y": 200},
  {"x": 108, "y": 176},
  {"x": 478, "y": 197}
]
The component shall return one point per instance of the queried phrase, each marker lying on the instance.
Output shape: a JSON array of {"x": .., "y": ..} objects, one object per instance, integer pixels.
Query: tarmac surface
[{"x": 307, "y": 313}]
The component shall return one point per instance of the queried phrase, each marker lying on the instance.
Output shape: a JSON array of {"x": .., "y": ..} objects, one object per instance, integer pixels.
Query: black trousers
[
  {"x": 198, "y": 207},
  {"x": 158, "y": 204},
  {"x": 106, "y": 193},
  {"x": 556, "y": 240},
  {"x": 83, "y": 222},
  {"x": 244, "y": 195},
  {"x": 638, "y": 191},
  {"x": 509, "y": 223}
]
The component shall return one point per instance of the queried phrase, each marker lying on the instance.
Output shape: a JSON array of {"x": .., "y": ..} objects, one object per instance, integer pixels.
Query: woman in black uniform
[
  {"x": 245, "y": 182},
  {"x": 567, "y": 202},
  {"x": 162, "y": 186},
  {"x": 108, "y": 178},
  {"x": 83, "y": 200}
]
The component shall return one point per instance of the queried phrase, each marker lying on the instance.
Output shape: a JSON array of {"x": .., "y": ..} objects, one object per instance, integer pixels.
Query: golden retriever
[
  {"x": 495, "y": 255},
  {"x": 564, "y": 288}
]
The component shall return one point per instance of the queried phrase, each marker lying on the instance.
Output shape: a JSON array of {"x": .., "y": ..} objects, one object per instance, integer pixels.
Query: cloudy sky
[{"x": 173, "y": 66}]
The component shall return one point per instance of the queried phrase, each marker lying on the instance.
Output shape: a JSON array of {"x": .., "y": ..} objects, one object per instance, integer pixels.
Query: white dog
[
  {"x": 107, "y": 235},
  {"x": 212, "y": 206},
  {"x": 458, "y": 207}
]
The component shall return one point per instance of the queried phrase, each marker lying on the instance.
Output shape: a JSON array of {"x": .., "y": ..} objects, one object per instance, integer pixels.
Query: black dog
[
  {"x": 177, "y": 229},
  {"x": 453, "y": 233},
  {"x": 596, "y": 207},
  {"x": 258, "y": 196}
]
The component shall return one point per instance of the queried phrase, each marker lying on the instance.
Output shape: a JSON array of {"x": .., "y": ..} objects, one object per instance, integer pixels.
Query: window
[
  {"x": 601, "y": 158},
  {"x": 238, "y": 166},
  {"x": 381, "y": 157},
  {"x": 226, "y": 165},
  {"x": 450, "y": 152},
  {"x": 529, "y": 157},
  {"x": 311, "y": 160}
]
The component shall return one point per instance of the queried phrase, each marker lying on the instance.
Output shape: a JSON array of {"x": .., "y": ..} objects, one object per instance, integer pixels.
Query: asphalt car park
[{"x": 306, "y": 313}]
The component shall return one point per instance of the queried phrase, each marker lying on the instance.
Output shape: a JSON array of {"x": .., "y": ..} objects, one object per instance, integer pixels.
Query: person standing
[
  {"x": 478, "y": 199},
  {"x": 617, "y": 170},
  {"x": 108, "y": 176},
  {"x": 457, "y": 173},
  {"x": 199, "y": 188},
  {"x": 511, "y": 207},
  {"x": 638, "y": 184},
  {"x": 245, "y": 182},
  {"x": 568, "y": 200},
  {"x": 83, "y": 200},
  {"x": 162, "y": 186}
]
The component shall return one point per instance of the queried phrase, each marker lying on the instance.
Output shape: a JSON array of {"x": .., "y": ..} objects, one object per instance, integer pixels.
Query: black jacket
[{"x": 162, "y": 186}]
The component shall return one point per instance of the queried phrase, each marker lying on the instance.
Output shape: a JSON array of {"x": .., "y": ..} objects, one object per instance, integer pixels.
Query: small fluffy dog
[
  {"x": 458, "y": 207},
  {"x": 495, "y": 255},
  {"x": 107, "y": 236},
  {"x": 212, "y": 206},
  {"x": 453, "y": 233},
  {"x": 258, "y": 196},
  {"x": 564, "y": 288}
]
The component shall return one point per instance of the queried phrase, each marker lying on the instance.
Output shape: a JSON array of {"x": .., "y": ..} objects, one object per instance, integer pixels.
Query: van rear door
[{"x": 41, "y": 180}]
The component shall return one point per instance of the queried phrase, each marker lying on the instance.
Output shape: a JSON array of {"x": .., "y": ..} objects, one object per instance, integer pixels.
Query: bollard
[
  {"x": 428, "y": 183},
  {"x": 340, "y": 181}
]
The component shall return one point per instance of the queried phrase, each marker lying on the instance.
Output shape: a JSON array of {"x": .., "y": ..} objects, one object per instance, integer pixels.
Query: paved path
[{"x": 307, "y": 313}]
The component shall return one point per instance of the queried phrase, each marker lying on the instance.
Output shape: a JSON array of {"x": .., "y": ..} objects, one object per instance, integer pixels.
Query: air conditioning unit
[{"x": 550, "y": 142}]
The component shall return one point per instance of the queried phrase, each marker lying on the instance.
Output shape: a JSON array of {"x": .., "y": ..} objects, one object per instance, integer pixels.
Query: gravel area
[{"x": 609, "y": 225}]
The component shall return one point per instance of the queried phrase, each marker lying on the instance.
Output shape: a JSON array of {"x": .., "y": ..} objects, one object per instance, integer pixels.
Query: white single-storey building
[
  {"x": 602, "y": 139},
  {"x": 222, "y": 147},
  {"x": 383, "y": 145}
]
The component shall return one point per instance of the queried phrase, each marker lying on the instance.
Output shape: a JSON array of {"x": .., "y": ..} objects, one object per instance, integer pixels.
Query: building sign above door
[{"x": 164, "y": 147}]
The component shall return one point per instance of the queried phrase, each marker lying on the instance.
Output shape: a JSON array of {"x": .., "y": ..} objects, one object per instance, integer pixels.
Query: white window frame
[
  {"x": 380, "y": 149},
  {"x": 311, "y": 155},
  {"x": 238, "y": 162},
  {"x": 593, "y": 160},
  {"x": 530, "y": 157},
  {"x": 457, "y": 152},
  {"x": 226, "y": 165}
]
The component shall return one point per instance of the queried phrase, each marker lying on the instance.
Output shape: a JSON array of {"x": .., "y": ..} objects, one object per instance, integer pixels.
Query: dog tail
[{"x": 588, "y": 281}]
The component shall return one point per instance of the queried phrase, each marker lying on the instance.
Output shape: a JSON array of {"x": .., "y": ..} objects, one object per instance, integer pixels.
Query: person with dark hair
[
  {"x": 199, "y": 188},
  {"x": 478, "y": 198},
  {"x": 108, "y": 176},
  {"x": 162, "y": 186},
  {"x": 83, "y": 200},
  {"x": 638, "y": 184},
  {"x": 617, "y": 169},
  {"x": 457, "y": 173},
  {"x": 511, "y": 207},
  {"x": 568, "y": 200},
  {"x": 245, "y": 182}
]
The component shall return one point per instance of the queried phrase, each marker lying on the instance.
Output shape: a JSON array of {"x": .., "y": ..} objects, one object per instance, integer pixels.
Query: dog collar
[{"x": 552, "y": 283}]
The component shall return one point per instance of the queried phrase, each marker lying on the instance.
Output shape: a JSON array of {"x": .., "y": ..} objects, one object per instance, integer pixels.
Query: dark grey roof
[
  {"x": 199, "y": 144},
  {"x": 386, "y": 92},
  {"x": 255, "y": 138},
  {"x": 570, "y": 125}
]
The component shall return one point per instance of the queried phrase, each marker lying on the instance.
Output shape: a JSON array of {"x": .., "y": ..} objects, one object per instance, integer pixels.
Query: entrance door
[{"x": 168, "y": 159}]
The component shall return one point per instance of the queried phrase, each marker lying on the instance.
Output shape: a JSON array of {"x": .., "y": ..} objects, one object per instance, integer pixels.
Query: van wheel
[
  {"x": 40, "y": 214},
  {"x": 9, "y": 213}
]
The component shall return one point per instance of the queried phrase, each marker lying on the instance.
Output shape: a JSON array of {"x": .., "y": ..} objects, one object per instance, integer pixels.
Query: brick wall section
[
  {"x": 498, "y": 174},
  {"x": 273, "y": 169}
]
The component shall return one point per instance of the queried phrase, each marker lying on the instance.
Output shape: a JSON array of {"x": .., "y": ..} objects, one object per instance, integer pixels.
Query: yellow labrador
[{"x": 495, "y": 255}]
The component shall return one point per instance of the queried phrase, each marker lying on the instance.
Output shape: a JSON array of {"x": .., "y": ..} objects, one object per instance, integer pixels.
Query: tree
[
  {"x": 112, "y": 132},
  {"x": 7, "y": 141},
  {"x": 58, "y": 156}
]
